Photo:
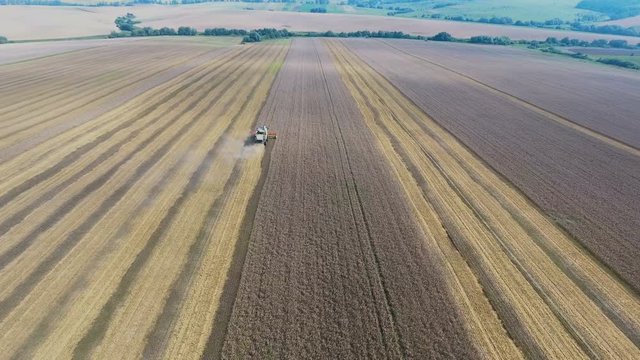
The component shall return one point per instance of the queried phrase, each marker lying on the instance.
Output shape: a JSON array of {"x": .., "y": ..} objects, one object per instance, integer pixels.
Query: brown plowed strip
[
  {"x": 337, "y": 266},
  {"x": 534, "y": 275},
  {"x": 528, "y": 105}
]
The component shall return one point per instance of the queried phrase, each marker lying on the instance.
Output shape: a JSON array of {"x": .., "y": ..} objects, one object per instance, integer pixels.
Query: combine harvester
[{"x": 262, "y": 135}]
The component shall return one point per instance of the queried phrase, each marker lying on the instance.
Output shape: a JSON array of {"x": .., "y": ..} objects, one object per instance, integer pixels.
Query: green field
[
  {"x": 633, "y": 59},
  {"x": 537, "y": 10},
  {"x": 524, "y": 10}
]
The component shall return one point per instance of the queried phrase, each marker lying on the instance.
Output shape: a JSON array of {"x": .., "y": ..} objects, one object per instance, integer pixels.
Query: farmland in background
[
  {"x": 422, "y": 200},
  {"x": 64, "y": 22}
]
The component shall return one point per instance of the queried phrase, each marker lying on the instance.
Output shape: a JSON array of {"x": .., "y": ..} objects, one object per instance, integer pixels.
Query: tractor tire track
[
  {"x": 558, "y": 306},
  {"x": 572, "y": 271},
  {"x": 349, "y": 178}
]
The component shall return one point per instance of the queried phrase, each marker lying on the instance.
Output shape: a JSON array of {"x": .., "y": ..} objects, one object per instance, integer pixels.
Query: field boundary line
[{"x": 619, "y": 144}]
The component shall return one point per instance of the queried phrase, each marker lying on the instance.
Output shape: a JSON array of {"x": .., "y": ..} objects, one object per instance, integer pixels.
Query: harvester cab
[{"x": 262, "y": 135}]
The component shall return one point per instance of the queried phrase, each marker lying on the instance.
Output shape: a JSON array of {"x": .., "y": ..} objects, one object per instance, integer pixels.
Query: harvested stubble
[
  {"x": 555, "y": 300},
  {"x": 121, "y": 227},
  {"x": 587, "y": 184},
  {"x": 337, "y": 266}
]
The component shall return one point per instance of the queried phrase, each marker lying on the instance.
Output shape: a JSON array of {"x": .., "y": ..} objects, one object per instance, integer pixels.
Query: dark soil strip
[
  {"x": 9, "y": 303},
  {"x": 17, "y": 217},
  {"x": 213, "y": 350},
  {"x": 100, "y": 325},
  {"x": 396, "y": 338},
  {"x": 630, "y": 147},
  {"x": 158, "y": 336}
]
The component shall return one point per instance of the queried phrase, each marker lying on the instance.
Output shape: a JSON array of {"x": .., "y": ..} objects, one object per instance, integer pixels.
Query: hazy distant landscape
[{"x": 522, "y": 19}]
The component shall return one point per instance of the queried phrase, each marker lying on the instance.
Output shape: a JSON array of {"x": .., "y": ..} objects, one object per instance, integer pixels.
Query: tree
[
  {"x": 187, "y": 31},
  {"x": 443, "y": 36},
  {"x": 3, "y": 40},
  {"x": 618, "y": 43},
  {"x": 599, "y": 43},
  {"x": 127, "y": 22},
  {"x": 252, "y": 37}
]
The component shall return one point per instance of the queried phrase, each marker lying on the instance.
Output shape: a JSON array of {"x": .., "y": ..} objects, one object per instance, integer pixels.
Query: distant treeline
[
  {"x": 3, "y": 40},
  {"x": 550, "y": 41},
  {"x": 553, "y": 23},
  {"x": 363, "y": 34},
  {"x": 259, "y": 34},
  {"x": 128, "y": 28},
  {"x": 620, "y": 63}
]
